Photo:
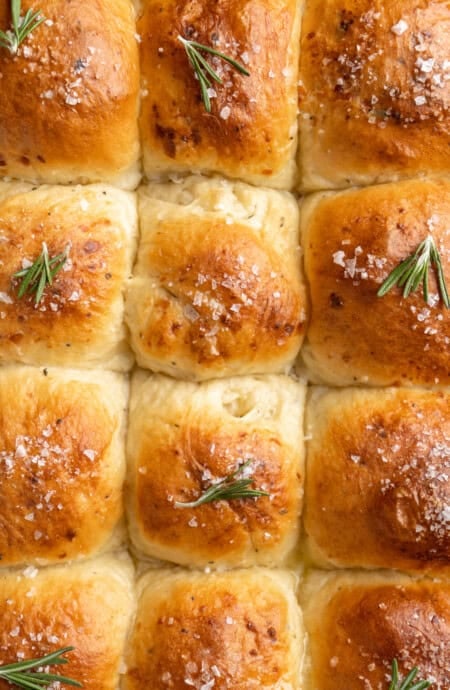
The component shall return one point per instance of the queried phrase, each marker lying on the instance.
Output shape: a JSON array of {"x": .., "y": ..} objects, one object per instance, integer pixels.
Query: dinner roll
[
  {"x": 69, "y": 105},
  {"x": 83, "y": 606},
  {"x": 239, "y": 630},
  {"x": 61, "y": 463},
  {"x": 374, "y": 91},
  {"x": 184, "y": 437},
  {"x": 217, "y": 289},
  {"x": 251, "y": 131},
  {"x": 352, "y": 241},
  {"x": 378, "y": 480},
  {"x": 79, "y": 320},
  {"x": 357, "y": 624}
]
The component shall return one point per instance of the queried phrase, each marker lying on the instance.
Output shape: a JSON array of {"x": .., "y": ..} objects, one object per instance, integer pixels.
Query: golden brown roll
[
  {"x": 184, "y": 437},
  {"x": 69, "y": 104},
  {"x": 378, "y": 479},
  {"x": 357, "y": 624},
  {"x": 239, "y": 630},
  {"x": 352, "y": 241},
  {"x": 85, "y": 606},
  {"x": 62, "y": 463},
  {"x": 251, "y": 131},
  {"x": 217, "y": 289},
  {"x": 374, "y": 91},
  {"x": 79, "y": 320}
]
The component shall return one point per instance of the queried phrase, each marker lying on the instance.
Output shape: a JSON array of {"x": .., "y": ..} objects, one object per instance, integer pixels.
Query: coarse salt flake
[
  {"x": 399, "y": 28},
  {"x": 225, "y": 112}
]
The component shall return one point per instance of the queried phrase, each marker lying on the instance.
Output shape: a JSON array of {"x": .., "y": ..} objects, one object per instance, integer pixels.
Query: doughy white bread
[
  {"x": 241, "y": 629},
  {"x": 62, "y": 464},
  {"x": 79, "y": 320},
  {"x": 217, "y": 289},
  {"x": 183, "y": 437}
]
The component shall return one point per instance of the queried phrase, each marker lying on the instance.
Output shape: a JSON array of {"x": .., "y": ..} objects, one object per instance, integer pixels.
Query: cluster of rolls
[{"x": 217, "y": 308}]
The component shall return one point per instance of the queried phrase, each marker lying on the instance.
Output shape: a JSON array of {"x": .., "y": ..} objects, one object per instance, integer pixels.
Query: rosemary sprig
[
  {"x": 203, "y": 69},
  {"x": 414, "y": 270},
  {"x": 227, "y": 489},
  {"x": 30, "y": 674},
  {"x": 21, "y": 27},
  {"x": 36, "y": 277},
  {"x": 408, "y": 682}
]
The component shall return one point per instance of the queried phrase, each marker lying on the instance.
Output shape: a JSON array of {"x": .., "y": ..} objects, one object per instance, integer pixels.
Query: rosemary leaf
[
  {"x": 36, "y": 277},
  {"x": 21, "y": 27},
  {"x": 414, "y": 271},
  {"x": 228, "y": 489},
  {"x": 203, "y": 70},
  {"x": 407, "y": 683},
  {"x": 29, "y": 674}
]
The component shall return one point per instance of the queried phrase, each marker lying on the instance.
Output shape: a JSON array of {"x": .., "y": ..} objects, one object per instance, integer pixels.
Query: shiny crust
[
  {"x": 69, "y": 105},
  {"x": 62, "y": 463},
  {"x": 85, "y": 606},
  {"x": 373, "y": 104},
  {"x": 378, "y": 485},
  {"x": 357, "y": 624},
  {"x": 217, "y": 289},
  {"x": 251, "y": 132},
  {"x": 79, "y": 320},
  {"x": 202, "y": 432},
  {"x": 241, "y": 629},
  {"x": 353, "y": 335}
]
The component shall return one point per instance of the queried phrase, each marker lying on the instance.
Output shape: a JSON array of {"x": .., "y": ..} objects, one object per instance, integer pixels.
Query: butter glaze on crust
[
  {"x": 182, "y": 436},
  {"x": 378, "y": 486},
  {"x": 69, "y": 105},
  {"x": 374, "y": 94},
  {"x": 352, "y": 241},
  {"x": 62, "y": 464},
  {"x": 357, "y": 624},
  {"x": 240, "y": 629},
  {"x": 217, "y": 289},
  {"x": 251, "y": 132},
  {"x": 86, "y": 606},
  {"x": 79, "y": 320}
]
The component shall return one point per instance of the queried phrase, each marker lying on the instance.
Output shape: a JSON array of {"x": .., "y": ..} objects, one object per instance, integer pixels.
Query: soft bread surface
[
  {"x": 378, "y": 486},
  {"x": 239, "y": 630},
  {"x": 352, "y": 241},
  {"x": 251, "y": 132},
  {"x": 217, "y": 289},
  {"x": 69, "y": 105},
  {"x": 86, "y": 606},
  {"x": 357, "y": 624},
  {"x": 374, "y": 91},
  {"x": 183, "y": 437},
  {"x": 62, "y": 463},
  {"x": 79, "y": 321}
]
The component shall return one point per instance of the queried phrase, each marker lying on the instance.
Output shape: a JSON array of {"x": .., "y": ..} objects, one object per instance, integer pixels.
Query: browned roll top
[
  {"x": 244, "y": 136},
  {"x": 68, "y": 110},
  {"x": 374, "y": 91},
  {"x": 357, "y": 625},
  {"x": 352, "y": 241},
  {"x": 378, "y": 487}
]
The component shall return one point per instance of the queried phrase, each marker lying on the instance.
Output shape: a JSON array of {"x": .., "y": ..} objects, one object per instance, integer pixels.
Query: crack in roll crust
[
  {"x": 374, "y": 91},
  {"x": 352, "y": 241},
  {"x": 79, "y": 321},
  {"x": 357, "y": 624},
  {"x": 62, "y": 464},
  {"x": 80, "y": 73},
  {"x": 182, "y": 437},
  {"x": 217, "y": 289},
  {"x": 245, "y": 136},
  {"x": 240, "y": 629},
  {"x": 378, "y": 488}
]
